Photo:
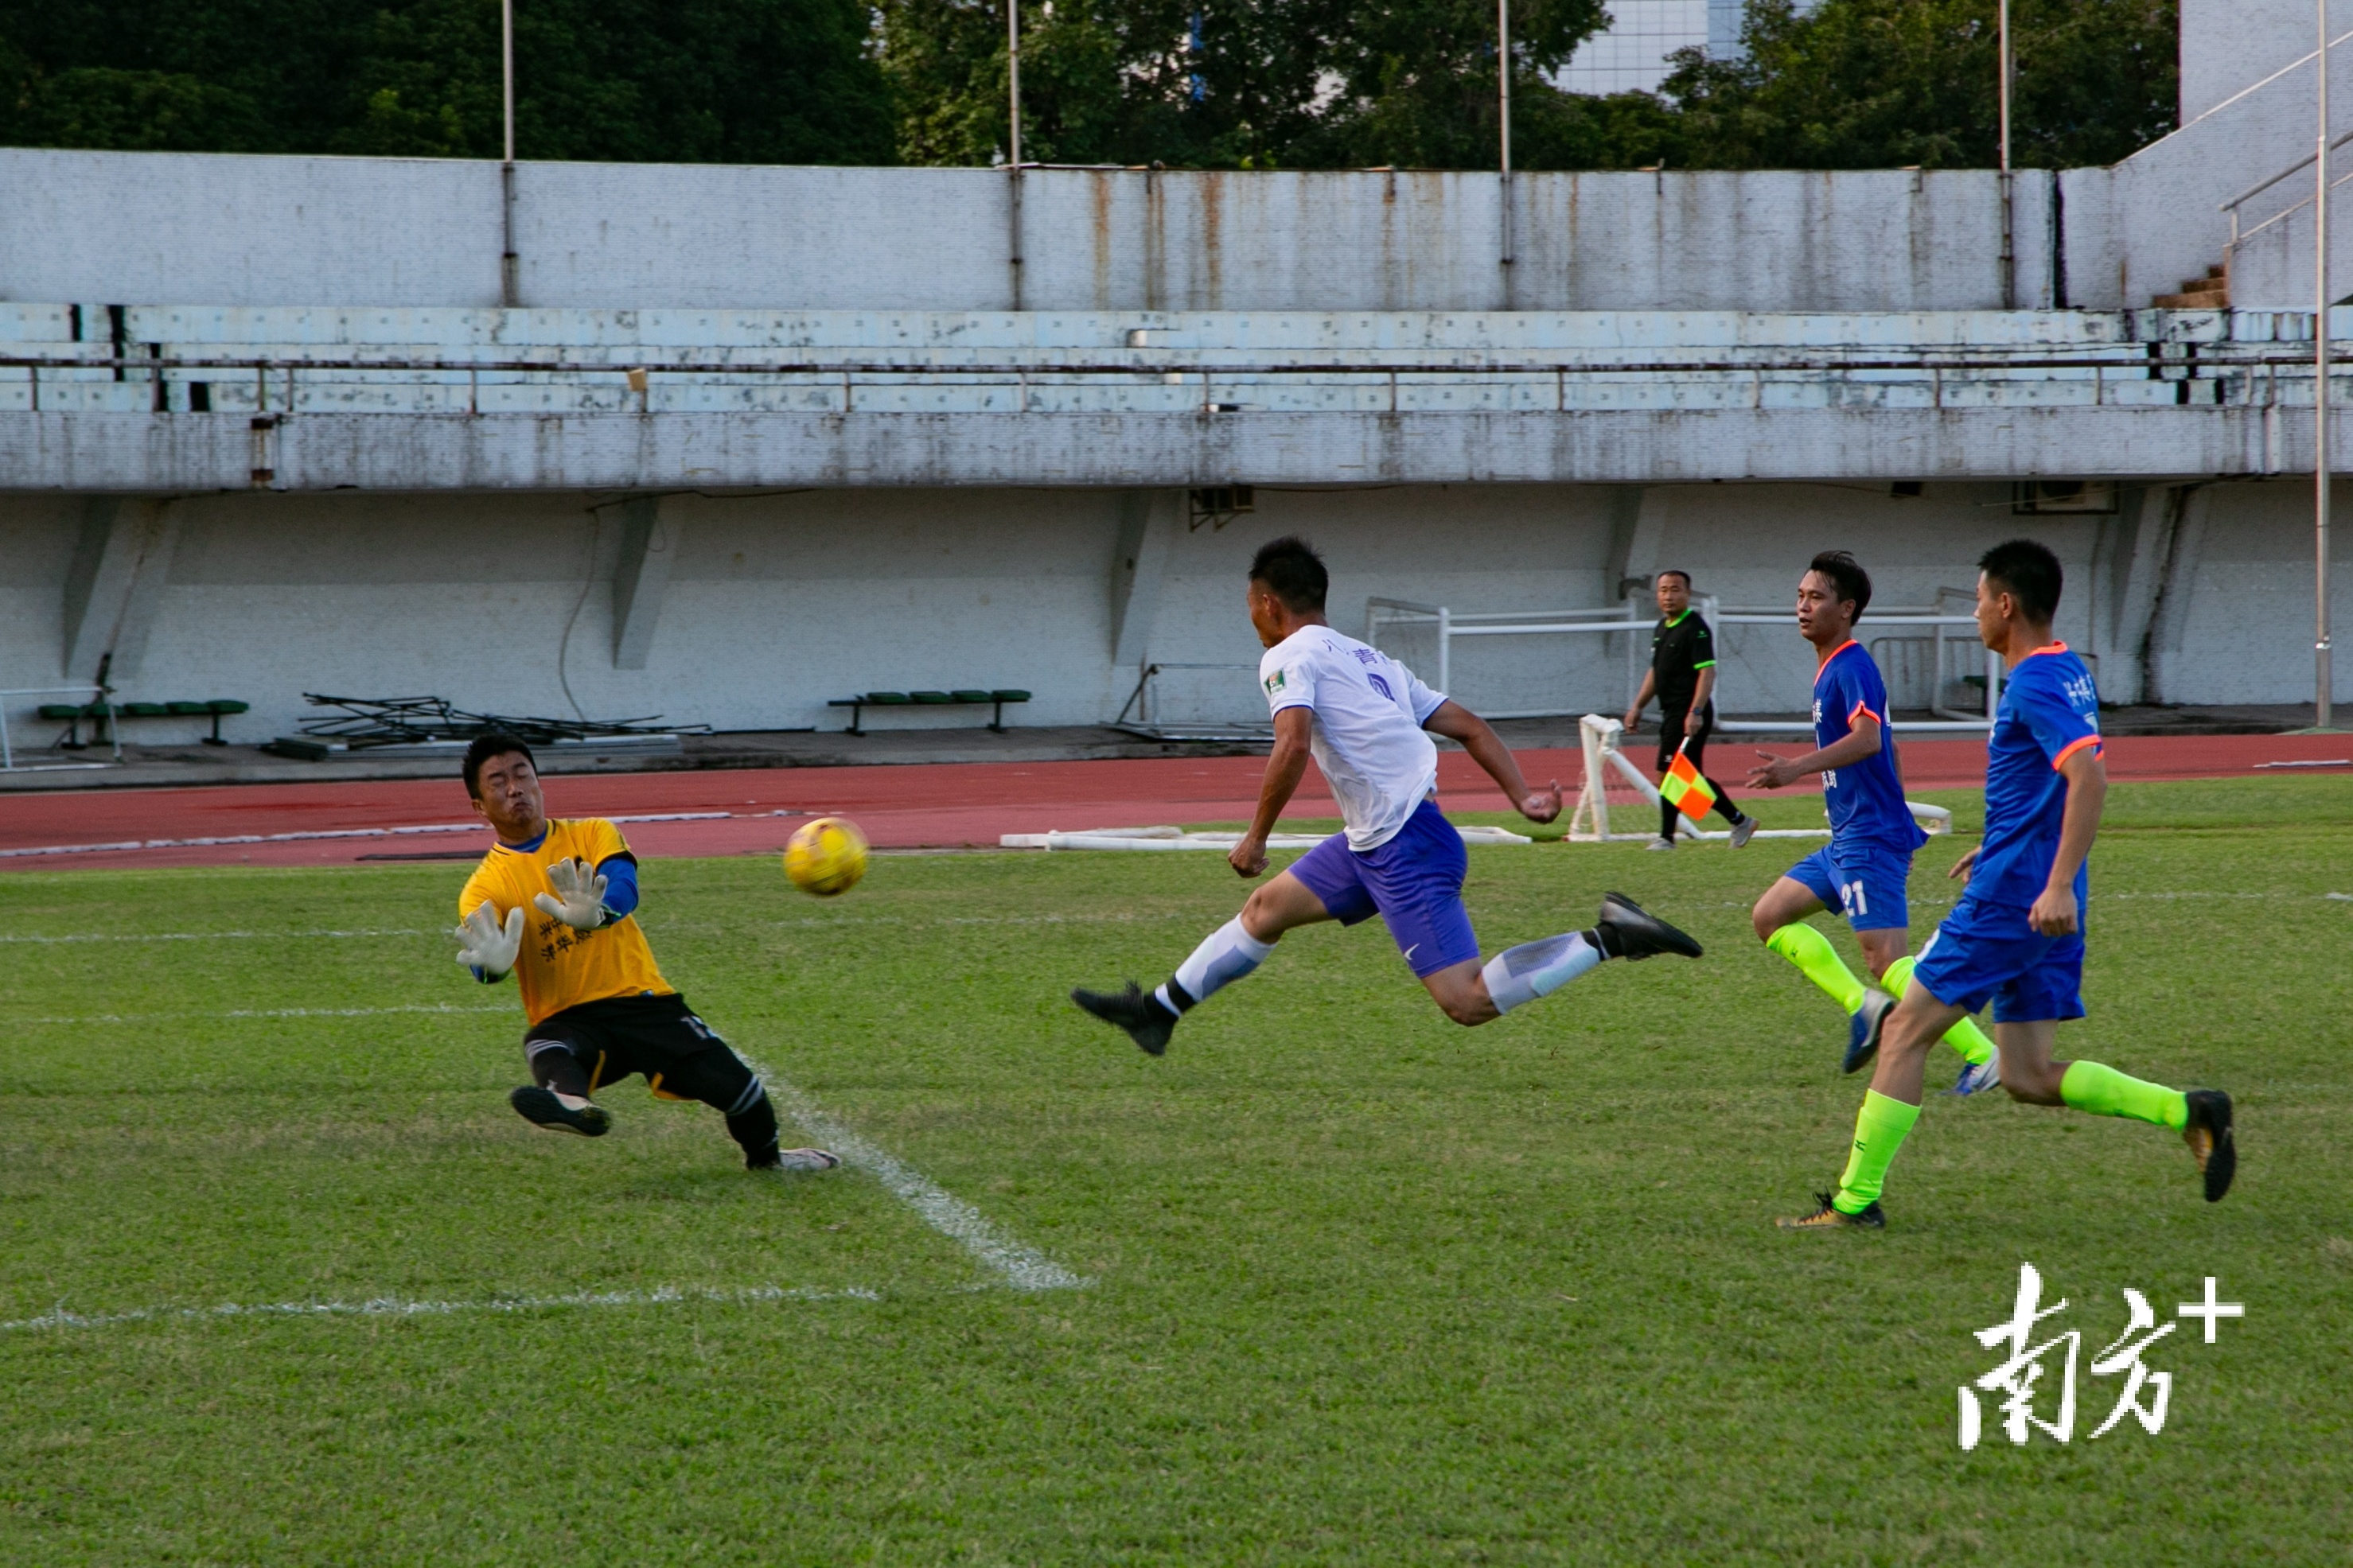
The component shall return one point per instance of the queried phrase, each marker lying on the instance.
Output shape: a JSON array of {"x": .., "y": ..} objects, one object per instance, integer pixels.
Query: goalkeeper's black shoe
[
  {"x": 545, "y": 1108},
  {"x": 1137, "y": 1010},
  {"x": 1828, "y": 1216},
  {"x": 1626, "y": 932},
  {"x": 2208, "y": 1137}
]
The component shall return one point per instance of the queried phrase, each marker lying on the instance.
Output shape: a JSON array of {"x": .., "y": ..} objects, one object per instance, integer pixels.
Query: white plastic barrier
[
  {"x": 1177, "y": 838},
  {"x": 1590, "y": 822}
]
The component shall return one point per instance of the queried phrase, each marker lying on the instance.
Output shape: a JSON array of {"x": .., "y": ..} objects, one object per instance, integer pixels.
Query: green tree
[
  {"x": 1313, "y": 83},
  {"x": 1115, "y": 81},
  {"x": 684, "y": 81},
  {"x": 1887, "y": 83},
  {"x": 1415, "y": 83}
]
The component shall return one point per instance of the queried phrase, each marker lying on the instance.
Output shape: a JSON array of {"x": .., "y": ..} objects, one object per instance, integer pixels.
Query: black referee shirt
[{"x": 1680, "y": 649}]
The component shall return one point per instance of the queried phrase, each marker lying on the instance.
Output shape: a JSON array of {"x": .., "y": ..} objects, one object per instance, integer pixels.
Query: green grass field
[{"x": 1363, "y": 1287}]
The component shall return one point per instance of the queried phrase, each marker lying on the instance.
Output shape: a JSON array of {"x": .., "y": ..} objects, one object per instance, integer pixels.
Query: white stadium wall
[
  {"x": 231, "y": 230},
  {"x": 778, "y": 602}
]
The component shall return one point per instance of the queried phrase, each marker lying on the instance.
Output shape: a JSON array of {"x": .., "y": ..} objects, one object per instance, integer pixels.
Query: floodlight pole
[
  {"x": 2009, "y": 227},
  {"x": 1013, "y": 162},
  {"x": 510, "y": 285},
  {"x": 2323, "y": 698},
  {"x": 1503, "y": 120}
]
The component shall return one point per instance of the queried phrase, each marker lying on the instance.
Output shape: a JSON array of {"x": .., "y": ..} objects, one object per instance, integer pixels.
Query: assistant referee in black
[{"x": 1682, "y": 678}]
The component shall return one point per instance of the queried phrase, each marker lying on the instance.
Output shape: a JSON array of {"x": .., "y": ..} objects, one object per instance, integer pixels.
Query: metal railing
[
  {"x": 1633, "y": 617},
  {"x": 1146, "y": 726},
  {"x": 82, "y": 688}
]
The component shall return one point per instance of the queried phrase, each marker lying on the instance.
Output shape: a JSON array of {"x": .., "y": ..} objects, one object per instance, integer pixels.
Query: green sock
[
  {"x": 1878, "y": 1130},
  {"x": 1964, "y": 1036},
  {"x": 2105, "y": 1091},
  {"x": 1810, "y": 950}
]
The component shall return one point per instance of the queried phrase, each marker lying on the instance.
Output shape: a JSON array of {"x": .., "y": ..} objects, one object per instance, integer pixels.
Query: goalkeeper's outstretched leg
[{"x": 585, "y": 1048}]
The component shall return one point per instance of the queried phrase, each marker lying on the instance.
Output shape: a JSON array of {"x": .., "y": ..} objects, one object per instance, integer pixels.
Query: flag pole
[
  {"x": 2323, "y": 705},
  {"x": 509, "y": 282}
]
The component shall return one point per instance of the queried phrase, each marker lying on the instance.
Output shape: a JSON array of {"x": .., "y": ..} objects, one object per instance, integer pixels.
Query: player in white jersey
[{"x": 1367, "y": 722}]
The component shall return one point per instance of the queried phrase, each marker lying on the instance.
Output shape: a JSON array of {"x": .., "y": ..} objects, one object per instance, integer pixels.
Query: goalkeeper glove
[
  {"x": 486, "y": 947},
  {"x": 579, "y": 897}
]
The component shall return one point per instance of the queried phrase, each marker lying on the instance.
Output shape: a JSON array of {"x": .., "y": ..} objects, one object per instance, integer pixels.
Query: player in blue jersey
[
  {"x": 1864, "y": 870},
  {"x": 1367, "y": 722},
  {"x": 2017, "y": 936}
]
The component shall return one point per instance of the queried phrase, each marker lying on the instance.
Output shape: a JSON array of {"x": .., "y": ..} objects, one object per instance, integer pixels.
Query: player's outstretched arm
[
  {"x": 487, "y": 947},
  {"x": 1476, "y": 736},
  {"x": 1285, "y": 766},
  {"x": 1857, "y": 743}
]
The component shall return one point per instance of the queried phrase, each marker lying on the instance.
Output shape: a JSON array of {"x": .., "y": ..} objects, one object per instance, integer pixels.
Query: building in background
[{"x": 1631, "y": 55}]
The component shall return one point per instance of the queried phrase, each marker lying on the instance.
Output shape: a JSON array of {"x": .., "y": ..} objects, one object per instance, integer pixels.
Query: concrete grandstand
[{"x": 746, "y": 440}]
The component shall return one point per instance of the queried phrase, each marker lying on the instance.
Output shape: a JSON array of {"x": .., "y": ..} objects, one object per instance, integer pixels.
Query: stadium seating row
[
  {"x": 967, "y": 697},
  {"x": 102, "y": 714}
]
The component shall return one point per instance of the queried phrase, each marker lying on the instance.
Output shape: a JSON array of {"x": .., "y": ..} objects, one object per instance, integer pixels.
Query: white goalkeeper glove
[
  {"x": 579, "y": 897},
  {"x": 486, "y": 947}
]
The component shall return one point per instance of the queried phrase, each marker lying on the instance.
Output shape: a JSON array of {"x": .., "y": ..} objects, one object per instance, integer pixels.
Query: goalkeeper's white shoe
[
  {"x": 795, "y": 1160},
  {"x": 560, "y": 1112}
]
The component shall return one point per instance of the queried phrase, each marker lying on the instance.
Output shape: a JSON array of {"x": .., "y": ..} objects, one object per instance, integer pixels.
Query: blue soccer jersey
[
  {"x": 2049, "y": 712},
  {"x": 1865, "y": 800}
]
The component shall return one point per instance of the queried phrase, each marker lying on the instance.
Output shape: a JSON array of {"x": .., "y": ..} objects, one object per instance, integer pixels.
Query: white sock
[
  {"x": 1518, "y": 975},
  {"x": 1225, "y": 955}
]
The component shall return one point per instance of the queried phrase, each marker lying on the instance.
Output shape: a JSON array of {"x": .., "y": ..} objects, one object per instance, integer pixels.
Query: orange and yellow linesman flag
[{"x": 1685, "y": 789}]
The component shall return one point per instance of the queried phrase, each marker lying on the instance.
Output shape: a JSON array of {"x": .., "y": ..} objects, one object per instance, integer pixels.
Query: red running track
[{"x": 920, "y": 805}]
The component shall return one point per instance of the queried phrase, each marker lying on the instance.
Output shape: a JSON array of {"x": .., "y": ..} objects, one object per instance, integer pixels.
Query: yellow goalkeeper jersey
[{"x": 560, "y": 965}]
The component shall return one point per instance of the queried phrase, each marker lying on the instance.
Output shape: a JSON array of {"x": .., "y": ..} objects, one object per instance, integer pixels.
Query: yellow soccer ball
[{"x": 826, "y": 856}]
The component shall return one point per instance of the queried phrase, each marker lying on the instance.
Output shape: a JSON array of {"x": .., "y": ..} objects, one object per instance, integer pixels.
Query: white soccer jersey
[{"x": 1367, "y": 736}]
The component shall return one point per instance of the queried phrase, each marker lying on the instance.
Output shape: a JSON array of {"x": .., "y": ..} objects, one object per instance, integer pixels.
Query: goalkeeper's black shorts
[{"x": 660, "y": 1037}]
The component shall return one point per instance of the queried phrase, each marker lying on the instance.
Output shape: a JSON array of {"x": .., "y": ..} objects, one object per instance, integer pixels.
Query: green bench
[
  {"x": 971, "y": 697},
  {"x": 102, "y": 714}
]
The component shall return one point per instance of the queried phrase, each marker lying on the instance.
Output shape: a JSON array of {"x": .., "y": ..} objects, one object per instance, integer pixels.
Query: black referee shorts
[
  {"x": 1673, "y": 728},
  {"x": 660, "y": 1037}
]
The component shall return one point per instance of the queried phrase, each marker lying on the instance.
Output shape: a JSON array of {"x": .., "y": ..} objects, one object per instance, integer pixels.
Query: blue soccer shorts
[
  {"x": 1414, "y": 882},
  {"x": 1985, "y": 951},
  {"x": 1864, "y": 882}
]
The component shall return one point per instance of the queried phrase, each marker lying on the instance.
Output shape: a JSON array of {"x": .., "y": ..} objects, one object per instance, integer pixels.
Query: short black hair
[
  {"x": 1847, "y": 575},
  {"x": 1291, "y": 567},
  {"x": 2030, "y": 571},
  {"x": 485, "y": 747},
  {"x": 1676, "y": 571}
]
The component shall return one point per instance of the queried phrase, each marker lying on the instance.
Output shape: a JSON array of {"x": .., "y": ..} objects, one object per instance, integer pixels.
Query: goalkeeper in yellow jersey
[{"x": 555, "y": 901}]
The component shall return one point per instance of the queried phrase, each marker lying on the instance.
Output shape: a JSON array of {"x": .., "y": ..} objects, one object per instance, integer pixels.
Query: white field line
[
  {"x": 317, "y": 833},
  {"x": 396, "y": 1307},
  {"x": 683, "y": 927},
  {"x": 249, "y": 1013},
  {"x": 1019, "y": 1265},
  {"x": 691, "y": 929},
  {"x": 207, "y": 936}
]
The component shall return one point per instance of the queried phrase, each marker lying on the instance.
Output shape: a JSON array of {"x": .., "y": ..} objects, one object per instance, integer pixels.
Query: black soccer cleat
[
  {"x": 1626, "y": 932},
  {"x": 1137, "y": 1010},
  {"x": 2208, "y": 1137},
  {"x": 545, "y": 1108},
  {"x": 1862, "y": 1031},
  {"x": 1828, "y": 1216}
]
